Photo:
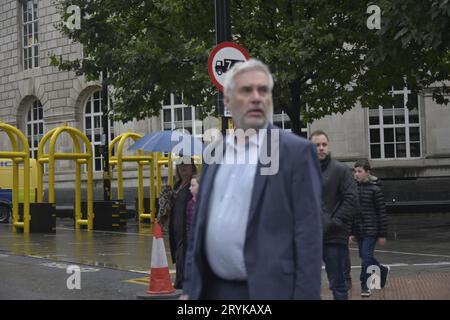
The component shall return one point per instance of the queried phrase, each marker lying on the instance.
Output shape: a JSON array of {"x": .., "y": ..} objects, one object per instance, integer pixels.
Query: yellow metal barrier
[
  {"x": 141, "y": 160},
  {"x": 155, "y": 162},
  {"x": 15, "y": 136},
  {"x": 80, "y": 158}
]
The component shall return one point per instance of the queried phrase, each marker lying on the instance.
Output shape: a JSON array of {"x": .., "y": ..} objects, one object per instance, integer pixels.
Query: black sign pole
[
  {"x": 105, "y": 142},
  {"x": 223, "y": 34}
]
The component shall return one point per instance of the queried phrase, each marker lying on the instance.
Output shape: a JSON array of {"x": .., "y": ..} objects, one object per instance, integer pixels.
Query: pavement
[
  {"x": 418, "y": 253},
  {"x": 115, "y": 265}
]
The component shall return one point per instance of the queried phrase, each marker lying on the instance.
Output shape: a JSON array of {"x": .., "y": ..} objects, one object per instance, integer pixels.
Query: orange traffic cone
[
  {"x": 159, "y": 268},
  {"x": 160, "y": 286}
]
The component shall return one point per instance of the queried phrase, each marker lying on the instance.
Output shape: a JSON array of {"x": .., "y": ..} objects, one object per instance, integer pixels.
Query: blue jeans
[
  {"x": 366, "y": 247},
  {"x": 335, "y": 256}
]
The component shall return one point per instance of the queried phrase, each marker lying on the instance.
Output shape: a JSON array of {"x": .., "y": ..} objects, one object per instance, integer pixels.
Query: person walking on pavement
[
  {"x": 177, "y": 221},
  {"x": 339, "y": 202},
  {"x": 370, "y": 225},
  {"x": 257, "y": 235}
]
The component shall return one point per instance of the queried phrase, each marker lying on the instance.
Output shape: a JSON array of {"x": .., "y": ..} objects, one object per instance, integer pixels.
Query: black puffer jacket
[
  {"x": 371, "y": 219},
  {"x": 339, "y": 201}
]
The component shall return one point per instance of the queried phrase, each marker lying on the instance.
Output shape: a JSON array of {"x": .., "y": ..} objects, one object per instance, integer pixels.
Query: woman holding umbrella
[{"x": 185, "y": 169}]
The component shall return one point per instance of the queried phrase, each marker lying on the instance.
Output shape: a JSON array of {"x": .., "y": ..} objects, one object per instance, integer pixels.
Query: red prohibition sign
[{"x": 222, "y": 58}]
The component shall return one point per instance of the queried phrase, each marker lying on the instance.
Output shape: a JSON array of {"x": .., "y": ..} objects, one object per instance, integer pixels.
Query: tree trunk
[
  {"x": 294, "y": 110},
  {"x": 294, "y": 116}
]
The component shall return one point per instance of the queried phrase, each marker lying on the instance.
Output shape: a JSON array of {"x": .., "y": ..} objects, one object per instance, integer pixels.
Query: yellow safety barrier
[
  {"x": 15, "y": 136},
  {"x": 141, "y": 160},
  {"x": 80, "y": 159}
]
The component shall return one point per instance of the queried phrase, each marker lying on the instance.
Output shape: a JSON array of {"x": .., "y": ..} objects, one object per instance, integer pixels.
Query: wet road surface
[{"x": 418, "y": 251}]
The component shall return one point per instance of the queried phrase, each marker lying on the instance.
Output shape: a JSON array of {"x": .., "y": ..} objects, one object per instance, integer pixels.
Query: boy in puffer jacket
[{"x": 370, "y": 226}]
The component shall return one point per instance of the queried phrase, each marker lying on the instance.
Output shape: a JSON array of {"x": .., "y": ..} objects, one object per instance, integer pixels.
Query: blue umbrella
[{"x": 169, "y": 141}]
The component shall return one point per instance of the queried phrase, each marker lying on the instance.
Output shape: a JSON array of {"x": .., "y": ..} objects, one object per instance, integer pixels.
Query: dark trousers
[
  {"x": 220, "y": 289},
  {"x": 335, "y": 258},
  {"x": 348, "y": 268},
  {"x": 180, "y": 255}
]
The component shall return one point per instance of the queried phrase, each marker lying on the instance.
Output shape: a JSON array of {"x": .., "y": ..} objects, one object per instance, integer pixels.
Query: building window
[
  {"x": 35, "y": 127},
  {"x": 175, "y": 115},
  {"x": 281, "y": 120},
  {"x": 394, "y": 131},
  {"x": 94, "y": 129},
  {"x": 30, "y": 24}
]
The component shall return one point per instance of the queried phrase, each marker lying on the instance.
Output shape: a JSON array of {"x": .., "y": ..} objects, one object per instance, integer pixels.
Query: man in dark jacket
[{"x": 339, "y": 202}]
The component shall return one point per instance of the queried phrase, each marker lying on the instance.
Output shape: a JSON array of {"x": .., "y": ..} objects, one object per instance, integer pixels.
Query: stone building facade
[{"x": 401, "y": 143}]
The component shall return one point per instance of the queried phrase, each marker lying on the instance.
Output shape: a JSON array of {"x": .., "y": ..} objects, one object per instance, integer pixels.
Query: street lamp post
[{"x": 223, "y": 34}]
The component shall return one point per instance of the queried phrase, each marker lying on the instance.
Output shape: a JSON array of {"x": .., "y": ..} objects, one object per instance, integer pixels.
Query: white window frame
[
  {"x": 283, "y": 118},
  {"x": 406, "y": 125},
  {"x": 30, "y": 36},
  {"x": 91, "y": 131},
  {"x": 181, "y": 124},
  {"x": 33, "y": 122}
]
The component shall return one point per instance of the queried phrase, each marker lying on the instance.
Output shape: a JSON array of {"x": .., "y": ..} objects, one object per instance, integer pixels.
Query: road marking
[
  {"x": 113, "y": 254},
  {"x": 3, "y": 255},
  {"x": 415, "y": 254},
  {"x": 397, "y": 265},
  {"x": 65, "y": 265},
  {"x": 171, "y": 271},
  {"x": 431, "y": 264},
  {"x": 47, "y": 256},
  {"x": 35, "y": 256},
  {"x": 139, "y": 271},
  {"x": 410, "y": 253},
  {"x": 144, "y": 280}
]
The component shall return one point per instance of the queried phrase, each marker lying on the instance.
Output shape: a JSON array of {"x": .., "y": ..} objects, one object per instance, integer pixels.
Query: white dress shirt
[{"x": 229, "y": 208}]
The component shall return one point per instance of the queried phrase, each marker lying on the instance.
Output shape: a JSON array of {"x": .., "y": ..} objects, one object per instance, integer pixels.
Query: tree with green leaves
[
  {"x": 322, "y": 55},
  {"x": 414, "y": 40}
]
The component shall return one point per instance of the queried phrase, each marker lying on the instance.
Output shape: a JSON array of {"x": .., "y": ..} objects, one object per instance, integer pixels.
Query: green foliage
[
  {"x": 321, "y": 52},
  {"x": 142, "y": 48},
  {"x": 414, "y": 41}
]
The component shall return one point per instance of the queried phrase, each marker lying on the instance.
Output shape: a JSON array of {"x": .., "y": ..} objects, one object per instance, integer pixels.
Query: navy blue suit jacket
[{"x": 283, "y": 245}]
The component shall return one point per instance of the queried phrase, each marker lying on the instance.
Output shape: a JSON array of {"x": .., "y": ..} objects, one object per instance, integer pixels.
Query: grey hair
[{"x": 238, "y": 68}]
